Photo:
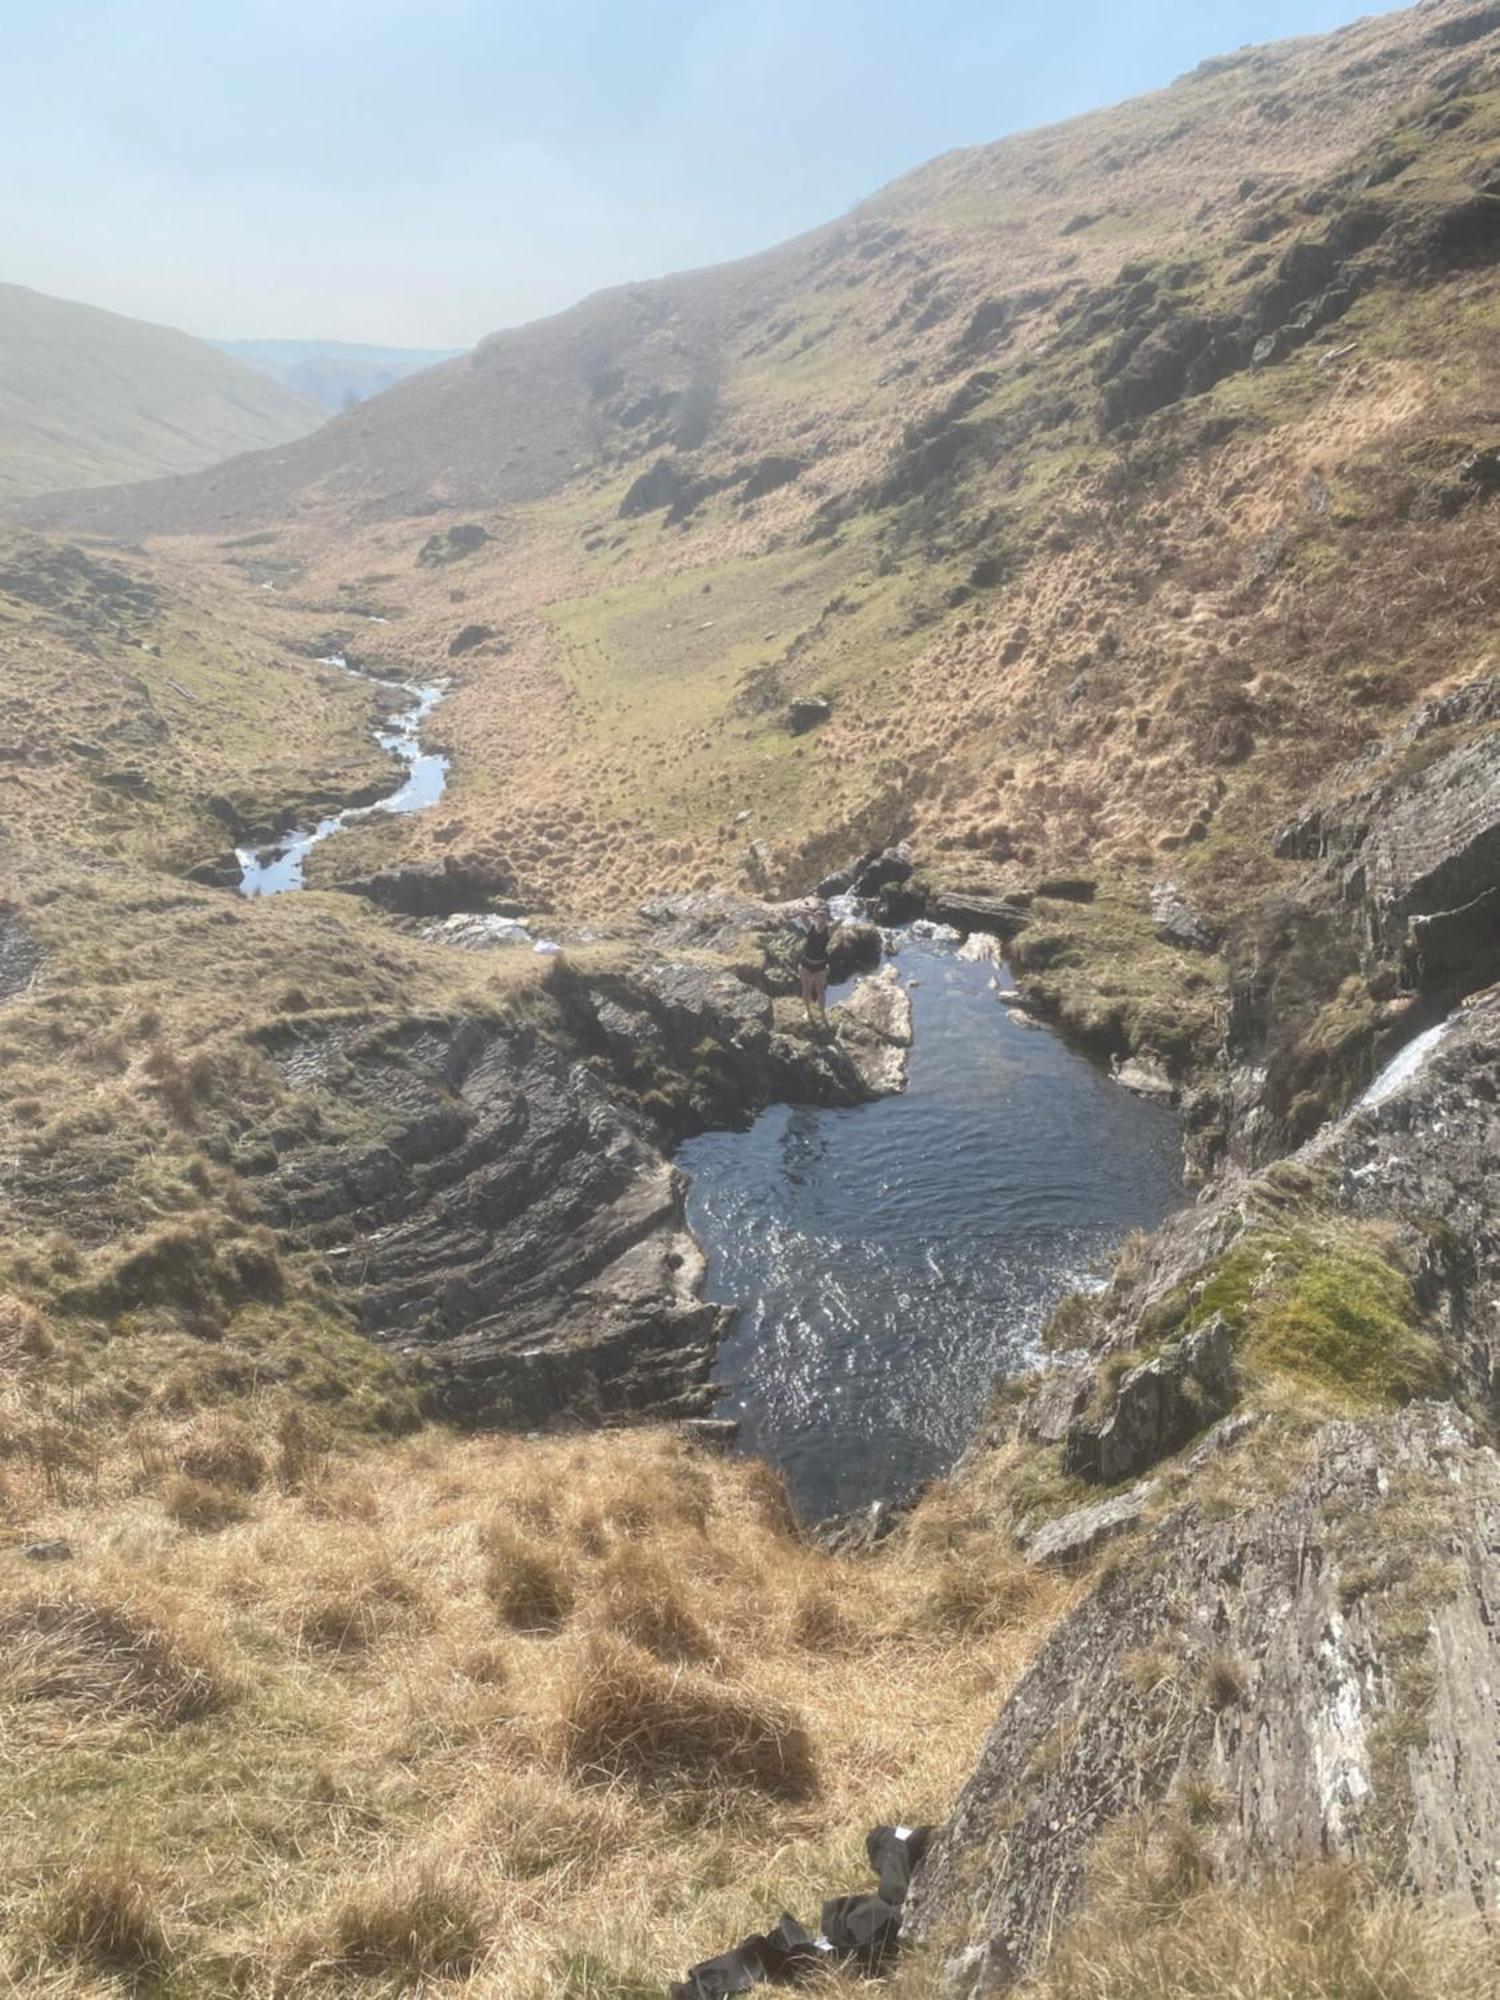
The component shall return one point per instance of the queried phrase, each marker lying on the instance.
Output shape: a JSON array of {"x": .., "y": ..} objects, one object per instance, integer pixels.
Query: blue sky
[{"x": 422, "y": 171}]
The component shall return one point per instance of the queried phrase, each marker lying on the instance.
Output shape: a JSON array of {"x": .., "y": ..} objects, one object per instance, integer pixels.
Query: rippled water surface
[{"x": 889, "y": 1261}]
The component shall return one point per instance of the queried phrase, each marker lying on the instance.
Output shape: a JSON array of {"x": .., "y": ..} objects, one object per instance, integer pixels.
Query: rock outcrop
[
  {"x": 1324, "y": 1663},
  {"x": 1291, "y": 1617},
  {"x": 20, "y": 954},
  {"x": 513, "y": 1219},
  {"x": 1397, "y": 918}
]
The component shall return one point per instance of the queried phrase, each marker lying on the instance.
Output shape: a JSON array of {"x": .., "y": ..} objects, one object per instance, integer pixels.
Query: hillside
[
  {"x": 88, "y": 398},
  {"x": 1044, "y": 465},
  {"x": 381, "y": 1610},
  {"x": 334, "y": 373}
]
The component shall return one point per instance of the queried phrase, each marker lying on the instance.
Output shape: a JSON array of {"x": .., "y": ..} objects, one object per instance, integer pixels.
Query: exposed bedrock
[
  {"x": 513, "y": 1216},
  {"x": 1398, "y": 917},
  {"x": 1295, "y": 1619},
  {"x": 1324, "y": 1664}
]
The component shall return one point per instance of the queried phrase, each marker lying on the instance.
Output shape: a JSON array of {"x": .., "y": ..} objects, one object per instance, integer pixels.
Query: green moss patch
[{"x": 1325, "y": 1309}]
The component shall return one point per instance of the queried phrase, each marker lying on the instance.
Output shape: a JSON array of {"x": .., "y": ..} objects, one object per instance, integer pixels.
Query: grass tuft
[
  {"x": 527, "y": 1583},
  {"x": 99, "y": 1661},
  {"x": 102, "y": 1914},
  {"x": 427, "y": 1921},
  {"x": 623, "y": 1715}
]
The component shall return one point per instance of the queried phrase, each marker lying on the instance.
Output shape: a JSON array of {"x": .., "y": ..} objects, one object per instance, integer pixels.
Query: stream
[
  {"x": 271, "y": 871},
  {"x": 888, "y": 1261},
  {"x": 891, "y": 1260}
]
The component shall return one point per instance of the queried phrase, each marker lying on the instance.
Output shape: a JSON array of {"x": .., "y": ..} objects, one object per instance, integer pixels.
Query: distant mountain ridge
[
  {"x": 91, "y": 398},
  {"x": 336, "y": 373}
]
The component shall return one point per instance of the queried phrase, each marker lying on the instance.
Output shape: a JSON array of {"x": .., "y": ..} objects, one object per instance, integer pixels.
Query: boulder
[
  {"x": 883, "y": 870},
  {"x": 874, "y": 1028},
  {"x": 414, "y": 891},
  {"x": 807, "y": 711},
  {"x": 466, "y": 640},
  {"x": 1072, "y": 1538},
  {"x": 767, "y": 474},
  {"x": 225, "y": 871},
  {"x": 1175, "y": 920},
  {"x": 654, "y": 489},
  {"x": 967, "y": 910},
  {"x": 1156, "y": 1408},
  {"x": 452, "y": 544},
  {"x": 1481, "y": 468},
  {"x": 20, "y": 954}
]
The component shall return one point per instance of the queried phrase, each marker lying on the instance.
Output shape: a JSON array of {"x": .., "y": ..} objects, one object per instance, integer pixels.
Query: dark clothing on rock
[{"x": 861, "y": 1930}]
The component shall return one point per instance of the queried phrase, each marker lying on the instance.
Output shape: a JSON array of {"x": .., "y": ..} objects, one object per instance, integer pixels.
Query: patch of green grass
[{"x": 1324, "y": 1309}]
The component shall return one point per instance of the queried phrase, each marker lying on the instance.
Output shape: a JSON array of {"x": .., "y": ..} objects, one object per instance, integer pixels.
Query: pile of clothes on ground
[{"x": 863, "y": 1931}]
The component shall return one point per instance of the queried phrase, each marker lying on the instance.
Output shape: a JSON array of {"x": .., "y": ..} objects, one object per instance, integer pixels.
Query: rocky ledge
[
  {"x": 513, "y": 1220},
  {"x": 1269, "y": 1459}
]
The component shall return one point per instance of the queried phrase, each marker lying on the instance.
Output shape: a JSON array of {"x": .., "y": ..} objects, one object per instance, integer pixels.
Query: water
[
  {"x": 889, "y": 1261},
  {"x": 1404, "y": 1065},
  {"x": 271, "y": 871}
]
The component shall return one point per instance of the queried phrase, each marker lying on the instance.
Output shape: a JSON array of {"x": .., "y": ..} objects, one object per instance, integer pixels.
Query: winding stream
[
  {"x": 891, "y": 1260},
  {"x": 271, "y": 871}
]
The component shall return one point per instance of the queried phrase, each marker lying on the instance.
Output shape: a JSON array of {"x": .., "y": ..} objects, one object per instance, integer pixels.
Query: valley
[{"x": 1079, "y": 562}]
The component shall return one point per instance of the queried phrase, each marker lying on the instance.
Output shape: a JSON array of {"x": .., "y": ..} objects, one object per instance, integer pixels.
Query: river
[
  {"x": 271, "y": 871},
  {"x": 890, "y": 1261}
]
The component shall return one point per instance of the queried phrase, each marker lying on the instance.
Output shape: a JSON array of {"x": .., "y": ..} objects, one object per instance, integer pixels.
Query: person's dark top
[{"x": 815, "y": 946}]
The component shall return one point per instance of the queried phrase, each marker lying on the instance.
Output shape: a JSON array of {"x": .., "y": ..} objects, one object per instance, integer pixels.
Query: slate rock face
[
  {"x": 1328, "y": 1660},
  {"x": 514, "y": 1219},
  {"x": 1156, "y": 1408}
]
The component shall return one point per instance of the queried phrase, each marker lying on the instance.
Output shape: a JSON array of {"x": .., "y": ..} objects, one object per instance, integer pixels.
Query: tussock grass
[
  {"x": 93, "y": 1661},
  {"x": 202, "y": 1504},
  {"x": 1319, "y": 1937},
  {"x": 402, "y": 1927},
  {"x": 408, "y": 1791},
  {"x": 527, "y": 1584},
  {"x": 623, "y": 1715},
  {"x": 103, "y": 1915}
]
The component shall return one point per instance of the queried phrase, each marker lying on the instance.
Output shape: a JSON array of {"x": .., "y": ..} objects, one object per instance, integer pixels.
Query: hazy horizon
[{"x": 411, "y": 175}]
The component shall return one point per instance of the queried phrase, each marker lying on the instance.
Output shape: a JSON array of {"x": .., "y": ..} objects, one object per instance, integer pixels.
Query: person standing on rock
[{"x": 812, "y": 966}]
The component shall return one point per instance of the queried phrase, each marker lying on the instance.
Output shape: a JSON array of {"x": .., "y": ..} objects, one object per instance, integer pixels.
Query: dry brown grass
[
  {"x": 624, "y": 1715},
  {"x": 102, "y": 1915},
  {"x": 403, "y": 1783},
  {"x": 1316, "y": 1938},
  {"x": 202, "y": 1505},
  {"x": 94, "y": 1662},
  {"x": 424, "y": 1921}
]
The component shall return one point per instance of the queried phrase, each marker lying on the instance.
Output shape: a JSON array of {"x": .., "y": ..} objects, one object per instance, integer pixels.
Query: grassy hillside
[
  {"x": 88, "y": 398},
  {"x": 332, "y": 1699},
  {"x": 1106, "y": 479}
]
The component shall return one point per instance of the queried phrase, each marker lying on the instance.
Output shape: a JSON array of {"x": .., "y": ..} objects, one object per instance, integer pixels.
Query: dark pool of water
[
  {"x": 271, "y": 871},
  {"x": 890, "y": 1261}
]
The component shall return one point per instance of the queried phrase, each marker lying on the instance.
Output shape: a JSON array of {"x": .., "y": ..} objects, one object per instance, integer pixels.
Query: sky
[{"x": 421, "y": 172}]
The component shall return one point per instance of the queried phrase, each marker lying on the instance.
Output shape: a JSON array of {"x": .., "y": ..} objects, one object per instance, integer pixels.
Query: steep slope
[
  {"x": 1194, "y": 1657},
  {"x": 1106, "y": 479},
  {"x": 335, "y": 373},
  {"x": 88, "y": 397}
]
